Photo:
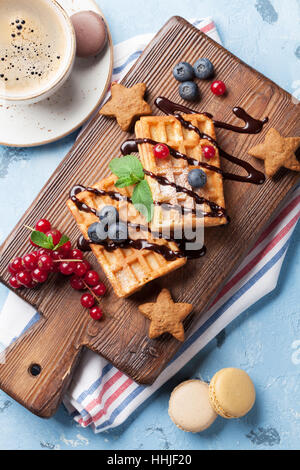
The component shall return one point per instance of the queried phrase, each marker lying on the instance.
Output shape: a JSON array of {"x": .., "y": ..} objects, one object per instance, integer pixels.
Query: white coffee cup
[{"x": 35, "y": 61}]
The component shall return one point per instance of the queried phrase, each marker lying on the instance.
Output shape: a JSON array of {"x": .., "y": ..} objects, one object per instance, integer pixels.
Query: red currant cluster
[{"x": 34, "y": 269}]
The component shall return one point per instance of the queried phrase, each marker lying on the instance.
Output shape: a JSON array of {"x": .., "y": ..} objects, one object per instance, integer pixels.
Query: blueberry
[
  {"x": 204, "y": 69},
  {"x": 108, "y": 215},
  {"x": 197, "y": 178},
  {"x": 118, "y": 232},
  {"x": 97, "y": 232},
  {"x": 189, "y": 91},
  {"x": 183, "y": 72}
]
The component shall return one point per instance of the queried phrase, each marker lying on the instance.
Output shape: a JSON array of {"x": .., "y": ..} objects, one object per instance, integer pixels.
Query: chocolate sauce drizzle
[
  {"x": 131, "y": 145},
  {"x": 98, "y": 192},
  {"x": 252, "y": 126},
  {"x": 163, "y": 250},
  {"x": 83, "y": 244},
  {"x": 140, "y": 244},
  {"x": 216, "y": 211}
]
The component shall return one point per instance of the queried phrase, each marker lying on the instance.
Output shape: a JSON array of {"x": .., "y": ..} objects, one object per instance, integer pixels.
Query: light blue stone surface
[{"x": 265, "y": 340}]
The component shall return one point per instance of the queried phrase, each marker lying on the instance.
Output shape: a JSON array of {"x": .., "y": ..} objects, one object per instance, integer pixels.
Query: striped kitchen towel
[{"x": 102, "y": 396}]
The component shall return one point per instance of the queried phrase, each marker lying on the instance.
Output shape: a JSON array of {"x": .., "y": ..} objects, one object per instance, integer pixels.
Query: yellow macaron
[
  {"x": 190, "y": 408},
  {"x": 231, "y": 393}
]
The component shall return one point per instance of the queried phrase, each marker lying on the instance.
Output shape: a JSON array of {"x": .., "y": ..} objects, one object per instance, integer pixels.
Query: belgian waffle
[
  {"x": 169, "y": 130},
  {"x": 128, "y": 269}
]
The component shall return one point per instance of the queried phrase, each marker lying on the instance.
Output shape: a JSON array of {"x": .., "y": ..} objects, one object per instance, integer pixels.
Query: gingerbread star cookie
[
  {"x": 166, "y": 316},
  {"x": 277, "y": 152},
  {"x": 126, "y": 104}
]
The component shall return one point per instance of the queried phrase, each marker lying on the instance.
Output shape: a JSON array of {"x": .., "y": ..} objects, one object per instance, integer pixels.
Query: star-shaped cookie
[
  {"x": 126, "y": 104},
  {"x": 166, "y": 316},
  {"x": 277, "y": 152}
]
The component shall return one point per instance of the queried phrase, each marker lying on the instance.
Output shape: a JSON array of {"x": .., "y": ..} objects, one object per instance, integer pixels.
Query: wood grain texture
[{"x": 55, "y": 343}]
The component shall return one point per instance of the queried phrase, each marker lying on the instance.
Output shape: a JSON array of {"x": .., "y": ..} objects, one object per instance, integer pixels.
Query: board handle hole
[{"x": 35, "y": 370}]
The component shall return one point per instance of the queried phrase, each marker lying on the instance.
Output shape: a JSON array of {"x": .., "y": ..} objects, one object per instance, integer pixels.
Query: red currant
[
  {"x": 33, "y": 244},
  {"x": 24, "y": 278},
  {"x": 56, "y": 236},
  {"x": 76, "y": 254},
  {"x": 80, "y": 269},
  {"x": 15, "y": 266},
  {"x": 43, "y": 251},
  {"x": 13, "y": 281},
  {"x": 96, "y": 313},
  {"x": 43, "y": 225},
  {"x": 32, "y": 284},
  {"x": 218, "y": 88},
  {"x": 66, "y": 268},
  {"x": 39, "y": 276},
  {"x": 161, "y": 151},
  {"x": 30, "y": 261},
  {"x": 86, "y": 264},
  {"x": 87, "y": 301},
  {"x": 65, "y": 250},
  {"x": 209, "y": 151},
  {"x": 77, "y": 283},
  {"x": 91, "y": 278},
  {"x": 56, "y": 255},
  {"x": 54, "y": 268},
  {"x": 9, "y": 269},
  {"x": 45, "y": 263},
  {"x": 100, "y": 289}
]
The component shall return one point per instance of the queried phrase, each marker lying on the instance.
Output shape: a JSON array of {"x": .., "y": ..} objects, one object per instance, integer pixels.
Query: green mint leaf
[
  {"x": 41, "y": 240},
  {"x": 136, "y": 179},
  {"x": 64, "y": 239},
  {"x": 124, "y": 182},
  {"x": 127, "y": 167},
  {"x": 143, "y": 200},
  {"x": 50, "y": 241}
]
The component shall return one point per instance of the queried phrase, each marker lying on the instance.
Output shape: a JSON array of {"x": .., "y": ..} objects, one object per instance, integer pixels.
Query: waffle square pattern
[
  {"x": 128, "y": 269},
  {"x": 170, "y": 131}
]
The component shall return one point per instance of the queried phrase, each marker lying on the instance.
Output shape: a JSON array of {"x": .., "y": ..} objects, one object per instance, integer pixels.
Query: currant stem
[
  {"x": 68, "y": 261},
  {"x": 91, "y": 291},
  {"x": 97, "y": 298},
  {"x": 29, "y": 228}
]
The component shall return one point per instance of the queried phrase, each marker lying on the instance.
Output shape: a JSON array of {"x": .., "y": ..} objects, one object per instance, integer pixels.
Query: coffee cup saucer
[{"x": 70, "y": 107}]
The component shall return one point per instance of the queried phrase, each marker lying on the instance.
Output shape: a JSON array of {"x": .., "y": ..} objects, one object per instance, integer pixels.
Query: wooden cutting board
[{"x": 55, "y": 342}]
